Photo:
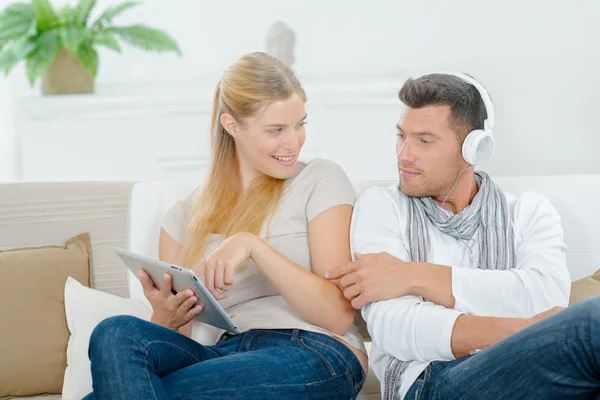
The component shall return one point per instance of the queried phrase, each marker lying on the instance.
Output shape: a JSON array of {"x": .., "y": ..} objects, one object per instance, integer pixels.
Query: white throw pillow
[{"x": 86, "y": 308}]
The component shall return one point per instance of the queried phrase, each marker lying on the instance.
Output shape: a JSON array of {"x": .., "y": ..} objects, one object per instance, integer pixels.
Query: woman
[{"x": 262, "y": 232}]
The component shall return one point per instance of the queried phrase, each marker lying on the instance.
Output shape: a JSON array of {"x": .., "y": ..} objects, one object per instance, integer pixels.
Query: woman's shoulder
[
  {"x": 324, "y": 164},
  {"x": 320, "y": 168},
  {"x": 320, "y": 185},
  {"x": 182, "y": 206},
  {"x": 176, "y": 217}
]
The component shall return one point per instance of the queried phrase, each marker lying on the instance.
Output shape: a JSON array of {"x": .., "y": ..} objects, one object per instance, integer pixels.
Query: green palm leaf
[
  {"x": 71, "y": 38},
  {"x": 19, "y": 8},
  {"x": 146, "y": 38},
  {"x": 48, "y": 46},
  {"x": 15, "y": 52},
  {"x": 67, "y": 15},
  {"x": 109, "y": 14},
  {"x": 107, "y": 39},
  {"x": 82, "y": 11},
  {"x": 17, "y": 20},
  {"x": 34, "y": 66},
  {"x": 45, "y": 15},
  {"x": 89, "y": 57},
  {"x": 43, "y": 56}
]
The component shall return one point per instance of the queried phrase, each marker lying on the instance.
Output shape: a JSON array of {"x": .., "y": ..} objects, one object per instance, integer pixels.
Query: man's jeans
[{"x": 556, "y": 358}]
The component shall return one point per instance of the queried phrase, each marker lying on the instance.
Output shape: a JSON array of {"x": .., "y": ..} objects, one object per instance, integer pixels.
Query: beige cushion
[
  {"x": 34, "y": 333},
  {"x": 585, "y": 287}
]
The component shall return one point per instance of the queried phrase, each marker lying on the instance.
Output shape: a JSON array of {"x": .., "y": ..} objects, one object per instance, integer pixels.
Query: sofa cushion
[
  {"x": 585, "y": 287},
  {"x": 85, "y": 309},
  {"x": 34, "y": 333}
]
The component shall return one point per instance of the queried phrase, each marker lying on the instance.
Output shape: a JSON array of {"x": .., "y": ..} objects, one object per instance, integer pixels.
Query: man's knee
[
  {"x": 586, "y": 313},
  {"x": 589, "y": 307}
]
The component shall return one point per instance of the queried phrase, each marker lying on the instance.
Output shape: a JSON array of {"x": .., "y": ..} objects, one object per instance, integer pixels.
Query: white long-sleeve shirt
[{"x": 418, "y": 331}]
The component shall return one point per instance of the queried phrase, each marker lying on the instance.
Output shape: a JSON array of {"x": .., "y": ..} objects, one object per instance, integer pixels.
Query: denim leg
[
  {"x": 273, "y": 365},
  {"x": 415, "y": 392},
  {"x": 129, "y": 356},
  {"x": 556, "y": 358}
]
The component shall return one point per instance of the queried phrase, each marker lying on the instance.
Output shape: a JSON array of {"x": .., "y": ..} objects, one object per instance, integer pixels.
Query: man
[{"x": 461, "y": 284}]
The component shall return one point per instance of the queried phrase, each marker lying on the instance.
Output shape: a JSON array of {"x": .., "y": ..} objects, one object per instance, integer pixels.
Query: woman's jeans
[{"x": 136, "y": 359}]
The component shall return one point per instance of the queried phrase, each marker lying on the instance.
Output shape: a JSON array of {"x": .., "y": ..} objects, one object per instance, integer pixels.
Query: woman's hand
[
  {"x": 220, "y": 265},
  {"x": 169, "y": 310}
]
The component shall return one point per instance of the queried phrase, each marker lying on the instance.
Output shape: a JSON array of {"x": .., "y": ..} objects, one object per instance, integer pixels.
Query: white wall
[
  {"x": 537, "y": 58},
  {"x": 7, "y": 131}
]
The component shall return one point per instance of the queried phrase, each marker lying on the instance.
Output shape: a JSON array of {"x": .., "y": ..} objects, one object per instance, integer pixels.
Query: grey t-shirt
[{"x": 253, "y": 301}]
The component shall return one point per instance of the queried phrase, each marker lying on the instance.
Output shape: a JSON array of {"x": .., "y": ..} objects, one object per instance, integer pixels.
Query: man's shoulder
[
  {"x": 382, "y": 196},
  {"x": 528, "y": 209},
  {"x": 527, "y": 201}
]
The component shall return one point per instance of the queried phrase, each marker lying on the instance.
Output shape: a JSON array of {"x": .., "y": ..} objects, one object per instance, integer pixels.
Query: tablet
[{"x": 183, "y": 278}]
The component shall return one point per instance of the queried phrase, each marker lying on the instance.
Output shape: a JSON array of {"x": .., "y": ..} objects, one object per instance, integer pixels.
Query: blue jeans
[
  {"x": 556, "y": 358},
  {"x": 136, "y": 359}
]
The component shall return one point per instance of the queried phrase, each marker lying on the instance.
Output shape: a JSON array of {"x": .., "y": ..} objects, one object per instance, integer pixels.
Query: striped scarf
[{"x": 488, "y": 212}]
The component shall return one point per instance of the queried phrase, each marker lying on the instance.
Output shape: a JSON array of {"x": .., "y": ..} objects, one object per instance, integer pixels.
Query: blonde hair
[{"x": 248, "y": 85}]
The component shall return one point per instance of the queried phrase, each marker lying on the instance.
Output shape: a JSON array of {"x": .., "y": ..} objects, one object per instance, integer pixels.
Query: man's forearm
[
  {"x": 433, "y": 282},
  {"x": 472, "y": 332}
]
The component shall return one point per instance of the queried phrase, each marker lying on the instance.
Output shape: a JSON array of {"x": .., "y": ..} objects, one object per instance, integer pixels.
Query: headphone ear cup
[{"x": 478, "y": 147}]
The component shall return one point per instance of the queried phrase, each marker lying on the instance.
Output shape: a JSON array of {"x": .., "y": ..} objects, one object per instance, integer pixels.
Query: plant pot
[{"x": 67, "y": 75}]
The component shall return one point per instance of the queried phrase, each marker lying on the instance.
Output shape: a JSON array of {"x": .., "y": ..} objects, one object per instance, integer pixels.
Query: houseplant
[{"x": 61, "y": 46}]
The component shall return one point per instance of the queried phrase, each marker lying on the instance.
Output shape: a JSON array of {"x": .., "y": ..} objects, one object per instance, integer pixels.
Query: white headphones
[{"x": 479, "y": 145}]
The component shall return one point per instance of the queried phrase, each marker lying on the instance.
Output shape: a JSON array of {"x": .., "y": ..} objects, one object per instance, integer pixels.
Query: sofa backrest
[
  {"x": 577, "y": 200},
  {"x": 34, "y": 214},
  {"x": 42, "y": 213},
  {"x": 576, "y": 197}
]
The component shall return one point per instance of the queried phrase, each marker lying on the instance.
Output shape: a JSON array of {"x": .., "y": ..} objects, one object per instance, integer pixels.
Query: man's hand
[
  {"x": 474, "y": 332},
  {"x": 373, "y": 277},
  {"x": 545, "y": 314}
]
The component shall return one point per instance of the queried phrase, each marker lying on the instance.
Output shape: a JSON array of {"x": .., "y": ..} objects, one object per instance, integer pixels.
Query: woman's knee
[{"x": 114, "y": 331}]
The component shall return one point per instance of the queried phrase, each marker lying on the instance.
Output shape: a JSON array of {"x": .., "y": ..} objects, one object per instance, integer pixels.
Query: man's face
[{"x": 429, "y": 151}]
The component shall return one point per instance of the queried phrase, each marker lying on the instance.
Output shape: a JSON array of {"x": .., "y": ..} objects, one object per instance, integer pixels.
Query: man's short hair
[{"x": 467, "y": 107}]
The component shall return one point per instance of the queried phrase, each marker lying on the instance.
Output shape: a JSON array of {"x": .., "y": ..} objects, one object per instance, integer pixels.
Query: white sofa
[{"x": 575, "y": 197}]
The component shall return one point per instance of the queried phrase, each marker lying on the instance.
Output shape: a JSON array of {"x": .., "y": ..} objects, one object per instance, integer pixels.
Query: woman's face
[{"x": 270, "y": 141}]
